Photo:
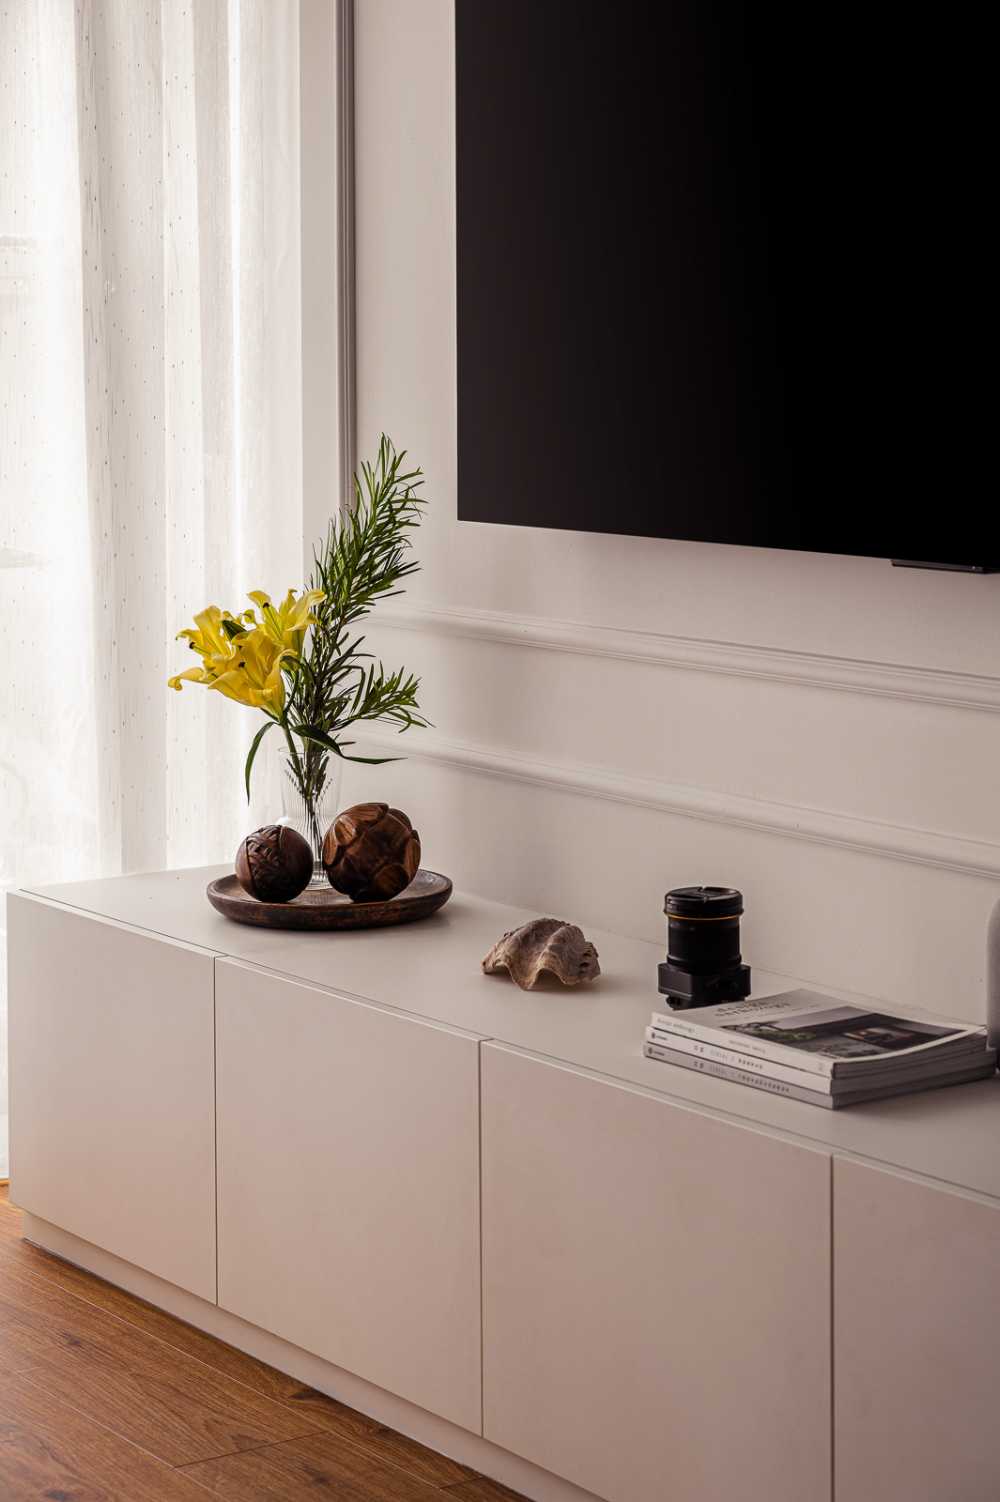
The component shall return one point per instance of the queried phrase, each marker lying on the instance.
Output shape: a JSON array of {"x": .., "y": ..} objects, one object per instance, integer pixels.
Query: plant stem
[
  {"x": 310, "y": 799},
  {"x": 294, "y": 758}
]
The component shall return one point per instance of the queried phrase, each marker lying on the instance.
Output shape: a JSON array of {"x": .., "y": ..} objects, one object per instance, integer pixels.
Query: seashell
[{"x": 545, "y": 946}]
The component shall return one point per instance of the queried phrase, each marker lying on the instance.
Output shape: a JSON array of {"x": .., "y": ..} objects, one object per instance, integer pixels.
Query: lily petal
[{"x": 192, "y": 675}]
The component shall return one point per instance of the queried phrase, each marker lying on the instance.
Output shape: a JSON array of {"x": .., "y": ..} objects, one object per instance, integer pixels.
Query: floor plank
[
  {"x": 34, "y": 1261},
  {"x": 410, "y": 1455},
  {"x": 323, "y": 1412},
  {"x": 176, "y": 1407},
  {"x": 48, "y": 1450},
  {"x": 322, "y": 1463},
  {"x": 266, "y": 1380},
  {"x": 99, "y": 1359},
  {"x": 26, "y": 1266},
  {"x": 481, "y": 1489},
  {"x": 43, "y": 1266}
]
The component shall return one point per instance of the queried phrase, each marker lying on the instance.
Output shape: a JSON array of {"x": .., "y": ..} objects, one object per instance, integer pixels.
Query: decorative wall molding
[
  {"x": 698, "y": 654},
  {"x": 791, "y": 821}
]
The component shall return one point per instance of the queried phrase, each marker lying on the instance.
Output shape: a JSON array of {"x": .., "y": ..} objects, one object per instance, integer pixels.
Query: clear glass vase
[{"x": 309, "y": 804}]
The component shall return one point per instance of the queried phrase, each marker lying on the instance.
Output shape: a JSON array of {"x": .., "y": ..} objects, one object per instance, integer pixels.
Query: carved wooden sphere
[
  {"x": 274, "y": 864},
  {"x": 371, "y": 852}
]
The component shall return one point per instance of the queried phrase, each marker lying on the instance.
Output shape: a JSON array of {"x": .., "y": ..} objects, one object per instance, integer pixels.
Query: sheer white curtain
[{"x": 150, "y": 412}]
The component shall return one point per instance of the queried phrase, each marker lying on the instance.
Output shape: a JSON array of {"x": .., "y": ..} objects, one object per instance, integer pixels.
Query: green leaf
[
  {"x": 365, "y": 557},
  {"x": 316, "y": 734},
  {"x": 254, "y": 746},
  {"x": 372, "y": 761}
]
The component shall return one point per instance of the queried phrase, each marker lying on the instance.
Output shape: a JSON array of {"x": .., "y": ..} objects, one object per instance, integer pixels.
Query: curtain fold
[{"x": 150, "y": 414}]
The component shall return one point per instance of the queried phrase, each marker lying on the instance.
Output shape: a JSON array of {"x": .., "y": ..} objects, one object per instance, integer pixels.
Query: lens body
[{"x": 703, "y": 964}]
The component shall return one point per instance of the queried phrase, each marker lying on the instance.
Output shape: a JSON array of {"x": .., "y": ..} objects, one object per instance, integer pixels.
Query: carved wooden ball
[
  {"x": 371, "y": 852},
  {"x": 274, "y": 864}
]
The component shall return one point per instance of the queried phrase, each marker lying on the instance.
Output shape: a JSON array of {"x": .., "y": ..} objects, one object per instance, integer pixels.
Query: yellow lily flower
[
  {"x": 242, "y": 656},
  {"x": 213, "y": 643},
  {"x": 287, "y": 623},
  {"x": 192, "y": 675},
  {"x": 255, "y": 675},
  {"x": 211, "y": 639}
]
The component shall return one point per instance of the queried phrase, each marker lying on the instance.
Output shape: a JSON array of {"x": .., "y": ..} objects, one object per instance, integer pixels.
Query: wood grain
[
  {"x": 417, "y": 1459},
  {"x": 101, "y": 1375},
  {"x": 176, "y": 1407},
  {"x": 481, "y": 1489},
  {"x": 371, "y": 852},
  {"x": 320, "y": 908},
  {"x": 49, "y": 1450},
  {"x": 323, "y": 1412},
  {"x": 291, "y": 1472},
  {"x": 43, "y": 1267}
]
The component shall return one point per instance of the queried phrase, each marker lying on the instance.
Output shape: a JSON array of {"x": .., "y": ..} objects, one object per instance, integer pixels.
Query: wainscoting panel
[
  {"x": 830, "y": 915},
  {"x": 793, "y": 820},
  {"x": 617, "y": 715},
  {"x": 886, "y": 759},
  {"x": 704, "y": 655}
]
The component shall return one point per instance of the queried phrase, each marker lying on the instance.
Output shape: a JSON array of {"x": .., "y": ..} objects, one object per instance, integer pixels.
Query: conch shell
[{"x": 545, "y": 946}]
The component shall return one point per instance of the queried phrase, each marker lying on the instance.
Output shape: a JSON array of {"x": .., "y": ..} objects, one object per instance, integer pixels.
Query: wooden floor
[{"x": 105, "y": 1399}]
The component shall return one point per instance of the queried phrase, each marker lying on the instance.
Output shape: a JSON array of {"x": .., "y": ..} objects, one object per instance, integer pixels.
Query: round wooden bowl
[{"x": 321, "y": 908}]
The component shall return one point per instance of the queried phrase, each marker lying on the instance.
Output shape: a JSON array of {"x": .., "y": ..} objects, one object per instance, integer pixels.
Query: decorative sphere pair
[{"x": 370, "y": 853}]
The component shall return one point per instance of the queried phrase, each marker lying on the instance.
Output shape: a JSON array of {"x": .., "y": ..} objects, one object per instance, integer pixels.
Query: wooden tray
[{"x": 323, "y": 908}]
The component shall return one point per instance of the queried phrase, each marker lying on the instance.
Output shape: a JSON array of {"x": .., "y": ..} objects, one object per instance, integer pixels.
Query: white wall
[{"x": 614, "y": 715}]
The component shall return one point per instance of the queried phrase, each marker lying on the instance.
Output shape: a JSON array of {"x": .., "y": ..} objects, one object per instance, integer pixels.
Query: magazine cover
[{"x": 821, "y": 1034}]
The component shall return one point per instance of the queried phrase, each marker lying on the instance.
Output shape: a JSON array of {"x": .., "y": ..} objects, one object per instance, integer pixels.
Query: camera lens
[
  {"x": 704, "y": 964},
  {"x": 703, "y": 932}
]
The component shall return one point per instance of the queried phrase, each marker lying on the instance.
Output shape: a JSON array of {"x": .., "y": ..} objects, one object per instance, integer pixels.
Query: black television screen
[{"x": 719, "y": 275}]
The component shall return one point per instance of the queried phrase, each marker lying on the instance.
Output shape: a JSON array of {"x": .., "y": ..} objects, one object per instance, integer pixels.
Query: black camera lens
[{"x": 703, "y": 964}]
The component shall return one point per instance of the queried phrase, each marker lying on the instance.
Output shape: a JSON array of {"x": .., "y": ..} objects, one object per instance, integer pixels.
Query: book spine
[
  {"x": 777, "y": 1053},
  {"x": 739, "y": 1076},
  {"x": 912, "y": 1073},
  {"x": 739, "y": 1060}
]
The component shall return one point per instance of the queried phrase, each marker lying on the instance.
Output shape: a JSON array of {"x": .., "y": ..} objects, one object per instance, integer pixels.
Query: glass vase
[{"x": 309, "y": 804}]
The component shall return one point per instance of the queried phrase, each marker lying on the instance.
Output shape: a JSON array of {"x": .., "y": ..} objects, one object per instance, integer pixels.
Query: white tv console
[{"x": 483, "y": 1217}]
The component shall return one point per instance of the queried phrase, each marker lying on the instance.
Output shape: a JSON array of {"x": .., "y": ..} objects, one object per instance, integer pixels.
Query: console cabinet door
[
  {"x": 349, "y": 1185},
  {"x": 112, "y": 1087},
  {"x": 917, "y": 1339},
  {"x": 656, "y": 1292}
]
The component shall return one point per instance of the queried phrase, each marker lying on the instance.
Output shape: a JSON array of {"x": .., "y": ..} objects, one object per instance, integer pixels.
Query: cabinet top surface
[{"x": 432, "y": 970}]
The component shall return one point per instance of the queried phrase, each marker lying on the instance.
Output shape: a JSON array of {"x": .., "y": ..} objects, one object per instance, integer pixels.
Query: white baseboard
[{"x": 460, "y": 1445}]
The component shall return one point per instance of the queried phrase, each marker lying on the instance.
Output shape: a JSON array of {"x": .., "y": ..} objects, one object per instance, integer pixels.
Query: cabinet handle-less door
[
  {"x": 917, "y": 1339},
  {"x": 113, "y": 1088},
  {"x": 656, "y": 1292},
  {"x": 349, "y": 1185}
]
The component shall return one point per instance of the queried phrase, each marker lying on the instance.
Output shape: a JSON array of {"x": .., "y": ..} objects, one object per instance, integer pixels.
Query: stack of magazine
[{"x": 814, "y": 1048}]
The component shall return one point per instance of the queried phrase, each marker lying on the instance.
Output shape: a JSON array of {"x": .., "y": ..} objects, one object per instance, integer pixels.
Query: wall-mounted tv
[{"x": 714, "y": 280}]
